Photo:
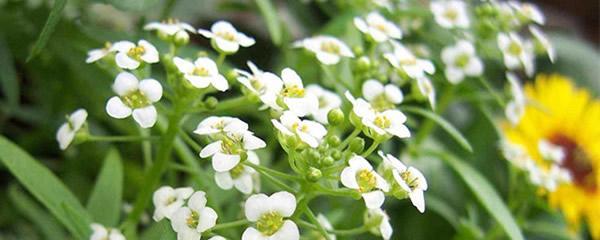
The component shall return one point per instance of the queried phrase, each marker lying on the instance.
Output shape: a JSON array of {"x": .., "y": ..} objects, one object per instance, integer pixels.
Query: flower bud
[
  {"x": 231, "y": 75},
  {"x": 358, "y": 50},
  {"x": 363, "y": 64},
  {"x": 357, "y": 145},
  {"x": 313, "y": 174},
  {"x": 202, "y": 54},
  {"x": 211, "y": 102},
  {"x": 333, "y": 140},
  {"x": 335, "y": 117},
  {"x": 313, "y": 155},
  {"x": 327, "y": 161},
  {"x": 336, "y": 154},
  {"x": 181, "y": 38}
]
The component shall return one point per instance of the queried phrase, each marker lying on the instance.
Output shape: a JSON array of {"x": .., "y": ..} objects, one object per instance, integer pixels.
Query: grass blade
[
  {"x": 269, "y": 13},
  {"x": 104, "y": 203},
  {"x": 48, "y": 29},
  {"x": 32, "y": 211},
  {"x": 8, "y": 76},
  {"x": 454, "y": 133}
]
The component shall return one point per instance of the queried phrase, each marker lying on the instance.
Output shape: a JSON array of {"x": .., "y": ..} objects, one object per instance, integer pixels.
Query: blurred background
[{"x": 37, "y": 94}]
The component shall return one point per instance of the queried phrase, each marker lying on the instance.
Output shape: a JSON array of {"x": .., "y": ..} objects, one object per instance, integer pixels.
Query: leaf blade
[
  {"x": 48, "y": 29},
  {"x": 8, "y": 75},
  {"x": 105, "y": 200},
  {"x": 269, "y": 13},
  {"x": 32, "y": 211},
  {"x": 451, "y": 130}
]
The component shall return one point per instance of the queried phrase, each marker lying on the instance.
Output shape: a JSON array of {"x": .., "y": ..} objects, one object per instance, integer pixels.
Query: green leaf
[
  {"x": 269, "y": 13},
  {"x": 104, "y": 203},
  {"x": 82, "y": 223},
  {"x": 131, "y": 5},
  {"x": 454, "y": 133},
  {"x": 485, "y": 194},
  {"x": 35, "y": 214},
  {"x": 159, "y": 231},
  {"x": 48, "y": 29},
  {"x": 8, "y": 76},
  {"x": 41, "y": 183}
]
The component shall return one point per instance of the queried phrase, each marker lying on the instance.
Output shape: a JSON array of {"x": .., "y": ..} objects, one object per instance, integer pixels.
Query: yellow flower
[{"x": 567, "y": 117}]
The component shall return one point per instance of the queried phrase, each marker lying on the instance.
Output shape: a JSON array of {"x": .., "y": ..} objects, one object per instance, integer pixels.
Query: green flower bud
[
  {"x": 181, "y": 38},
  {"x": 358, "y": 50},
  {"x": 202, "y": 54},
  {"x": 313, "y": 155},
  {"x": 333, "y": 140},
  {"x": 335, "y": 117},
  {"x": 327, "y": 161},
  {"x": 336, "y": 154},
  {"x": 231, "y": 75},
  {"x": 363, "y": 64},
  {"x": 357, "y": 145},
  {"x": 211, "y": 102},
  {"x": 313, "y": 174}
]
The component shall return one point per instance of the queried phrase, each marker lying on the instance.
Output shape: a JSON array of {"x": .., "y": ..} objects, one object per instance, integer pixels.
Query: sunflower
[{"x": 561, "y": 115}]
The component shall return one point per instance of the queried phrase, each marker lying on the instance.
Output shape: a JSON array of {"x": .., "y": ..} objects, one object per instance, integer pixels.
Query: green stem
[
  {"x": 153, "y": 176},
  {"x": 489, "y": 88},
  {"x": 340, "y": 232},
  {"x": 221, "y": 59},
  {"x": 352, "y": 135},
  {"x": 372, "y": 148},
  {"x": 230, "y": 103},
  {"x": 230, "y": 224},
  {"x": 92, "y": 138},
  {"x": 190, "y": 141},
  {"x": 166, "y": 11},
  {"x": 146, "y": 148},
  {"x": 275, "y": 181},
  {"x": 273, "y": 172},
  {"x": 312, "y": 218},
  {"x": 429, "y": 124}
]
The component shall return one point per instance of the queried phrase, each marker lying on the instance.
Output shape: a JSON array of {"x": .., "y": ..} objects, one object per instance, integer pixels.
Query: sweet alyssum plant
[{"x": 340, "y": 137}]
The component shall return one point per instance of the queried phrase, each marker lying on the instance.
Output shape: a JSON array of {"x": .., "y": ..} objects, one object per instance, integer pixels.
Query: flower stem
[
  {"x": 349, "y": 138},
  {"x": 275, "y": 181},
  {"x": 92, "y": 138},
  {"x": 489, "y": 88},
  {"x": 230, "y": 224},
  {"x": 190, "y": 141},
  {"x": 273, "y": 172},
  {"x": 221, "y": 59},
  {"x": 312, "y": 218},
  {"x": 429, "y": 124},
  {"x": 372, "y": 148},
  {"x": 340, "y": 232},
  {"x": 231, "y": 103}
]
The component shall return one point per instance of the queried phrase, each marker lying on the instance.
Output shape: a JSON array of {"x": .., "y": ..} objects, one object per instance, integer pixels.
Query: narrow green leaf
[
  {"x": 8, "y": 76},
  {"x": 41, "y": 183},
  {"x": 454, "y": 133},
  {"x": 443, "y": 209},
  {"x": 34, "y": 213},
  {"x": 131, "y": 5},
  {"x": 159, "y": 231},
  {"x": 485, "y": 194},
  {"x": 82, "y": 223},
  {"x": 48, "y": 29},
  {"x": 104, "y": 203},
  {"x": 269, "y": 13}
]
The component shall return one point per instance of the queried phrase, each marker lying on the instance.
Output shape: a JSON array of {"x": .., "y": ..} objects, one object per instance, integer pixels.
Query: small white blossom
[
  {"x": 225, "y": 38},
  {"x": 271, "y": 215},
  {"x": 383, "y": 123},
  {"x": 426, "y": 89},
  {"x": 450, "y": 14},
  {"x": 516, "y": 52},
  {"x": 67, "y": 131},
  {"x": 516, "y": 107},
  {"x": 240, "y": 176},
  {"x": 359, "y": 175},
  {"x": 329, "y": 50},
  {"x": 97, "y": 54},
  {"x": 265, "y": 85},
  {"x": 551, "y": 152},
  {"x": 515, "y": 154},
  {"x": 381, "y": 97},
  {"x": 326, "y": 225},
  {"x": 217, "y": 238},
  {"x": 171, "y": 28},
  {"x": 213, "y": 124},
  {"x": 327, "y": 101},
  {"x": 190, "y": 221},
  {"x": 201, "y": 73},
  {"x": 384, "y": 228},
  {"x": 226, "y": 152},
  {"x": 461, "y": 61},
  {"x": 134, "y": 98},
  {"x": 100, "y": 232},
  {"x": 377, "y": 27},
  {"x": 528, "y": 11},
  {"x": 542, "y": 41},
  {"x": 309, "y": 132},
  {"x": 548, "y": 179},
  {"x": 295, "y": 96},
  {"x": 168, "y": 200},
  {"x": 410, "y": 180},
  {"x": 403, "y": 59},
  {"x": 130, "y": 56}
]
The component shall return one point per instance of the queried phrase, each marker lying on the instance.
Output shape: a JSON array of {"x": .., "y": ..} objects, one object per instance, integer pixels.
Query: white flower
[
  {"x": 97, "y": 54},
  {"x": 381, "y": 97},
  {"x": 426, "y": 89},
  {"x": 190, "y": 221},
  {"x": 226, "y": 151},
  {"x": 359, "y": 175},
  {"x": 326, "y": 225},
  {"x": 384, "y": 228},
  {"x": 327, "y": 101},
  {"x": 171, "y": 27},
  {"x": 129, "y": 55},
  {"x": 461, "y": 61},
  {"x": 309, "y": 132},
  {"x": 239, "y": 176},
  {"x": 516, "y": 52},
  {"x": 217, "y": 238},
  {"x": 515, "y": 154},
  {"x": 67, "y": 131},
  {"x": 212, "y": 125},
  {"x": 543, "y": 42},
  {"x": 265, "y": 85},
  {"x": 201, "y": 73},
  {"x": 168, "y": 200},
  {"x": 295, "y": 96},
  {"x": 377, "y": 27},
  {"x": 270, "y": 214},
  {"x": 549, "y": 178},
  {"x": 450, "y": 14},
  {"x": 516, "y": 107},
  {"x": 528, "y": 11},
  {"x": 134, "y": 98},
  {"x": 404, "y": 60},
  {"x": 99, "y": 232},
  {"x": 226, "y": 38},
  {"x": 384, "y": 123},
  {"x": 410, "y": 181},
  {"x": 329, "y": 50},
  {"x": 551, "y": 152}
]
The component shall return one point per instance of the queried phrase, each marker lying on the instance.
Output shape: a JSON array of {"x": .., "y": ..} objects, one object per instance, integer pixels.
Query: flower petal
[
  {"x": 373, "y": 199},
  {"x": 151, "y": 89},
  {"x": 283, "y": 202},
  {"x": 117, "y": 109},
  {"x": 224, "y": 162},
  {"x": 145, "y": 116},
  {"x": 125, "y": 83},
  {"x": 207, "y": 220},
  {"x": 124, "y": 61},
  {"x": 288, "y": 231},
  {"x": 223, "y": 180},
  {"x": 255, "y": 206},
  {"x": 371, "y": 89},
  {"x": 210, "y": 149}
]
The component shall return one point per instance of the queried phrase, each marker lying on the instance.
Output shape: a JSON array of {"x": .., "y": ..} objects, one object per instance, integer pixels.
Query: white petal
[
  {"x": 283, "y": 202},
  {"x": 348, "y": 178},
  {"x": 252, "y": 234},
  {"x": 117, "y": 109},
  {"x": 454, "y": 74},
  {"x": 224, "y": 162},
  {"x": 197, "y": 81},
  {"x": 288, "y": 231},
  {"x": 291, "y": 78},
  {"x": 281, "y": 127},
  {"x": 183, "y": 65},
  {"x": 255, "y": 206},
  {"x": 328, "y": 58},
  {"x": 226, "y": 45},
  {"x": 361, "y": 25},
  {"x": 95, "y": 55},
  {"x": 417, "y": 199},
  {"x": 385, "y": 228},
  {"x": 358, "y": 162},
  {"x": 244, "y": 183},
  {"x": 122, "y": 46},
  {"x": 151, "y": 89},
  {"x": 244, "y": 40},
  {"x": 145, "y": 116},
  {"x": 206, "y": 33},
  {"x": 207, "y": 220},
  {"x": 64, "y": 136},
  {"x": 125, "y": 83},
  {"x": 77, "y": 118},
  {"x": 210, "y": 149},
  {"x": 197, "y": 201},
  {"x": 150, "y": 53},
  {"x": 474, "y": 68},
  {"x": 220, "y": 83},
  {"x": 308, "y": 139},
  {"x": 124, "y": 61},
  {"x": 252, "y": 142},
  {"x": 223, "y": 180},
  {"x": 371, "y": 89},
  {"x": 300, "y": 106},
  {"x": 373, "y": 199},
  {"x": 393, "y": 94}
]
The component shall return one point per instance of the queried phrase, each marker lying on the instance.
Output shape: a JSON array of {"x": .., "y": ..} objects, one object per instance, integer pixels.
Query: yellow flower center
[
  {"x": 293, "y": 91},
  {"x": 135, "y": 99},
  {"x": 229, "y": 36},
  {"x": 514, "y": 48},
  {"x": 451, "y": 14},
  {"x": 411, "y": 60},
  {"x": 237, "y": 171},
  {"x": 200, "y": 71},
  {"x": 192, "y": 220},
  {"x": 366, "y": 180},
  {"x": 269, "y": 223},
  {"x": 330, "y": 47},
  {"x": 410, "y": 180},
  {"x": 136, "y": 52},
  {"x": 381, "y": 103},
  {"x": 382, "y": 121},
  {"x": 577, "y": 162},
  {"x": 462, "y": 60}
]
